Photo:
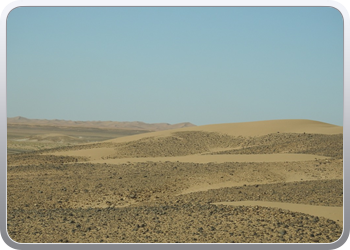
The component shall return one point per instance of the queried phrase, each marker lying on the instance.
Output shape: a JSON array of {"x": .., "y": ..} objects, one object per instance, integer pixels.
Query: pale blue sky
[{"x": 202, "y": 65}]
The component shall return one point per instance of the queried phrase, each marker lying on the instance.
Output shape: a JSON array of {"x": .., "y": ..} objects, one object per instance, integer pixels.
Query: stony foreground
[
  {"x": 64, "y": 195},
  {"x": 83, "y": 202},
  {"x": 170, "y": 222}
]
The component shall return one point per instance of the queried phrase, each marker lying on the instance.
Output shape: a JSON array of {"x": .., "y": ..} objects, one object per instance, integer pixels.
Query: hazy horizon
[
  {"x": 153, "y": 123},
  {"x": 203, "y": 65}
]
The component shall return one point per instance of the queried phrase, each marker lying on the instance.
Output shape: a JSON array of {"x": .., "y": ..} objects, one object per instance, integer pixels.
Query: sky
[{"x": 204, "y": 65}]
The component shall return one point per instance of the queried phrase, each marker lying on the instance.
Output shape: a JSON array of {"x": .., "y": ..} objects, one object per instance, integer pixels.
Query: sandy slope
[
  {"x": 333, "y": 213},
  {"x": 251, "y": 129},
  {"x": 274, "y": 126}
]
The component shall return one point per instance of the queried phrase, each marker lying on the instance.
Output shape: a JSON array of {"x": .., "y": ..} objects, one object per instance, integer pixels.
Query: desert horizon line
[{"x": 167, "y": 123}]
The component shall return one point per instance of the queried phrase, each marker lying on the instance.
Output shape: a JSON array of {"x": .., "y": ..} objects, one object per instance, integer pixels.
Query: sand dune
[
  {"x": 274, "y": 126},
  {"x": 247, "y": 129}
]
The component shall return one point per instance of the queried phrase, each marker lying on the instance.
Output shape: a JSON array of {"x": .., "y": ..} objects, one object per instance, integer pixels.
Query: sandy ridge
[{"x": 247, "y": 129}]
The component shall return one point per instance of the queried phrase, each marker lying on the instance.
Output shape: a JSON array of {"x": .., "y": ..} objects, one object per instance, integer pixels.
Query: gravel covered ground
[
  {"x": 172, "y": 222},
  {"x": 194, "y": 142},
  {"x": 318, "y": 144},
  {"x": 83, "y": 202},
  {"x": 28, "y": 159},
  {"x": 54, "y": 198}
]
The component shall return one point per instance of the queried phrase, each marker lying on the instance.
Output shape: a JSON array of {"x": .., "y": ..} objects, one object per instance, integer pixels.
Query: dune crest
[{"x": 247, "y": 129}]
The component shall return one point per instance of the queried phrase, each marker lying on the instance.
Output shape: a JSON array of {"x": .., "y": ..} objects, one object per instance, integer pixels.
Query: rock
[{"x": 282, "y": 231}]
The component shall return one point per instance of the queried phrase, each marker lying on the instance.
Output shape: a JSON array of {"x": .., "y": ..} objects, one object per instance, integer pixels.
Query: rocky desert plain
[{"x": 278, "y": 181}]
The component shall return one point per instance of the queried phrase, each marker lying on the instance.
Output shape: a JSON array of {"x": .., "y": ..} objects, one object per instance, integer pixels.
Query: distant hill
[{"x": 137, "y": 125}]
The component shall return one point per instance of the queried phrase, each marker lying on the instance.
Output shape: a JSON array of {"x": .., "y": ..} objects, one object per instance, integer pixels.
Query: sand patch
[
  {"x": 91, "y": 153},
  {"x": 227, "y": 184},
  {"x": 207, "y": 186},
  {"x": 333, "y": 213},
  {"x": 199, "y": 158}
]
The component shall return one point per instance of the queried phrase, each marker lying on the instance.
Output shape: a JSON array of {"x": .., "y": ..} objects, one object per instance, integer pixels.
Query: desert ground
[{"x": 277, "y": 181}]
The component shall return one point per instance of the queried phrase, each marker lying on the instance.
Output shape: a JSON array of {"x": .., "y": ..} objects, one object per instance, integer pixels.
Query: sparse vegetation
[{"x": 53, "y": 197}]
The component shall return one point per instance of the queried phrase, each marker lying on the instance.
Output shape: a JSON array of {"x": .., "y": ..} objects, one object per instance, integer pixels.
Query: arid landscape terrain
[{"x": 278, "y": 181}]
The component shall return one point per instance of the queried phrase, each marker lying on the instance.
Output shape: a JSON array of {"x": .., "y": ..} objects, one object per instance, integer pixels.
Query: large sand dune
[{"x": 257, "y": 128}]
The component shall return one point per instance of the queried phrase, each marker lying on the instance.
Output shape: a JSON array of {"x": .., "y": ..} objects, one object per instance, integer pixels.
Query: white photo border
[{"x": 173, "y": 3}]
